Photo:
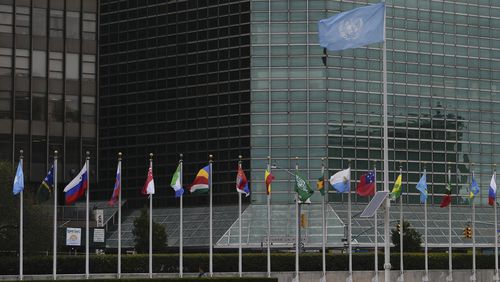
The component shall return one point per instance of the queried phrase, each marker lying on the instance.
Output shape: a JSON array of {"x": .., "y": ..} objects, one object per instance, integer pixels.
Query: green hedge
[{"x": 252, "y": 262}]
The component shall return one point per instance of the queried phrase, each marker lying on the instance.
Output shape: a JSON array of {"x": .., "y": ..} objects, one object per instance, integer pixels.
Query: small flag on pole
[
  {"x": 77, "y": 187},
  {"x": 118, "y": 186},
  {"x": 352, "y": 29},
  {"x": 474, "y": 188},
  {"x": 45, "y": 189},
  {"x": 396, "y": 190},
  {"x": 422, "y": 187},
  {"x": 302, "y": 188},
  {"x": 341, "y": 180},
  {"x": 366, "y": 185},
  {"x": 176, "y": 182},
  {"x": 242, "y": 182},
  {"x": 320, "y": 185},
  {"x": 268, "y": 178},
  {"x": 492, "y": 191},
  {"x": 18, "y": 186},
  {"x": 447, "y": 197},
  {"x": 200, "y": 183},
  {"x": 149, "y": 185}
]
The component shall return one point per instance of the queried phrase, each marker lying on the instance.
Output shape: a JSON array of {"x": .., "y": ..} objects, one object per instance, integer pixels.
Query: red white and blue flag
[
  {"x": 118, "y": 186},
  {"x": 77, "y": 187},
  {"x": 366, "y": 185},
  {"x": 242, "y": 182},
  {"x": 492, "y": 192}
]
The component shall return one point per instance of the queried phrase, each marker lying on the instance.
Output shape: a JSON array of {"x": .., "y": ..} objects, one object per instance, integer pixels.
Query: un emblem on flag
[{"x": 350, "y": 29}]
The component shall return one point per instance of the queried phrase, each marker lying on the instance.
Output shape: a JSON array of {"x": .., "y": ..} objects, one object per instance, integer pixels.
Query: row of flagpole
[{"x": 242, "y": 187}]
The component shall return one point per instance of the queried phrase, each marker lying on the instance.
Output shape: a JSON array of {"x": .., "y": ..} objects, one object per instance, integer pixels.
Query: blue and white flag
[
  {"x": 422, "y": 187},
  {"x": 354, "y": 28},
  {"x": 18, "y": 186},
  {"x": 341, "y": 180}
]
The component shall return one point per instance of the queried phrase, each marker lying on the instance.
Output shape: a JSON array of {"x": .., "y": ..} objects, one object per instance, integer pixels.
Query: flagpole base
[
  {"x": 296, "y": 278},
  {"x": 496, "y": 277},
  {"x": 349, "y": 278},
  {"x": 425, "y": 278},
  {"x": 401, "y": 277},
  {"x": 323, "y": 278},
  {"x": 375, "y": 278},
  {"x": 473, "y": 277},
  {"x": 449, "y": 278}
]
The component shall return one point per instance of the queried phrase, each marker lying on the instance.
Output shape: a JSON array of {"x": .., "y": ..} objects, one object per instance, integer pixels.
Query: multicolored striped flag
[
  {"x": 200, "y": 183},
  {"x": 268, "y": 178}
]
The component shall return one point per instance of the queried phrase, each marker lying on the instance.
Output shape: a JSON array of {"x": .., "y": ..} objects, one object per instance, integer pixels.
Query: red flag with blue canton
[
  {"x": 366, "y": 185},
  {"x": 242, "y": 182}
]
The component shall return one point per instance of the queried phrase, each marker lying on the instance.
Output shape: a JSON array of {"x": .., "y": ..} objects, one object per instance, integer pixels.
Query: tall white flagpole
[
  {"x": 211, "y": 215},
  {"x": 375, "y": 228},
  {"x": 54, "y": 247},
  {"x": 21, "y": 226},
  {"x": 426, "y": 275},
  {"x": 401, "y": 231},
  {"x": 240, "y": 263},
  {"x": 268, "y": 221},
  {"x": 120, "y": 216},
  {"x": 495, "y": 277},
  {"x": 323, "y": 221},
  {"x": 87, "y": 233},
  {"x": 387, "y": 250},
  {"x": 181, "y": 270},
  {"x": 297, "y": 234},
  {"x": 473, "y": 276},
  {"x": 349, "y": 231},
  {"x": 151, "y": 224},
  {"x": 450, "y": 261}
]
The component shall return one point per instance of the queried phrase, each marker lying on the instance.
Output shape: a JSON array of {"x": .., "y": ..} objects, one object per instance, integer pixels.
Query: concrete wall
[{"x": 483, "y": 275}]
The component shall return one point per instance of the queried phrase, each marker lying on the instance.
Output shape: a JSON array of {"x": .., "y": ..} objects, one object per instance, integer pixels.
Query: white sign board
[
  {"x": 99, "y": 217},
  {"x": 98, "y": 235},
  {"x": 374, "y": 204},
  {"x": 73, "y": 236}
]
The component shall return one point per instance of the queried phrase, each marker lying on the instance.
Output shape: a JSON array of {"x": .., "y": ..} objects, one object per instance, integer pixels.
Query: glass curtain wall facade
[
  {"x": 174, "y": 78},
  {"x": 443, "y": 99},
  {"x": 48, "y": 89}
]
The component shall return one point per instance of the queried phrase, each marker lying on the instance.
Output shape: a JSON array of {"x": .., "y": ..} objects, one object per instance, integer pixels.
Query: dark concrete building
[{"x": 48, "y": 84}]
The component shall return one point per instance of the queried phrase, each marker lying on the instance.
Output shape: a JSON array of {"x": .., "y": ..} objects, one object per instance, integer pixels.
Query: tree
[
  {"x": 411, "y": 238},
  {"x": 141, "y": 234},
  {"x": 37, "y": 223}
]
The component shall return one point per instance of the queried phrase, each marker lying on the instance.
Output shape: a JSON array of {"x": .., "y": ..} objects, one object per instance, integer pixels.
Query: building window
[
  {"x": 72, "y": 66},
  {"x": 22, "y": 105},
  {"x": 56, "y": 23},
  {"x": 89, "y": 26},
  {"x": 6, "y": 18},
  {"x": 5, "y": 61},
  {"x": 55, "y": 107},
  {"x": 39, "y": 22},
  {"x": 72, "y": 108},
  {"x": 88, "y": 109},
  {"x": 5, "y": 105},
  {"x": 73, "y": 25},
  {"x": 39, "y": 105},
  {"x": 22, "y": 56},
  {"x": 22, "y": 20},
  {"x": 39, "y": 63},
  {"x": 88, "y": 66},
  {"x": 55, "y": 65}
]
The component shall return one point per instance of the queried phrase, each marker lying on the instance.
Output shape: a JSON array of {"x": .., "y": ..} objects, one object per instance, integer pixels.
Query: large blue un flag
[{"x": 353, "y": 29}]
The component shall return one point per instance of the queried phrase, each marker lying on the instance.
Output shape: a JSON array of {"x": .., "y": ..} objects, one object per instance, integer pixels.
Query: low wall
[{"x": 482, "y": 275}]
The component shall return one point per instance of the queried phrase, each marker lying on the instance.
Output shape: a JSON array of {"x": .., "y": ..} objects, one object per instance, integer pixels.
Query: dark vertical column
[
  {"x": 47, "y": 70},
  {"x": 30, "y": 94},
  {"x": 13, "y": 81}
]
